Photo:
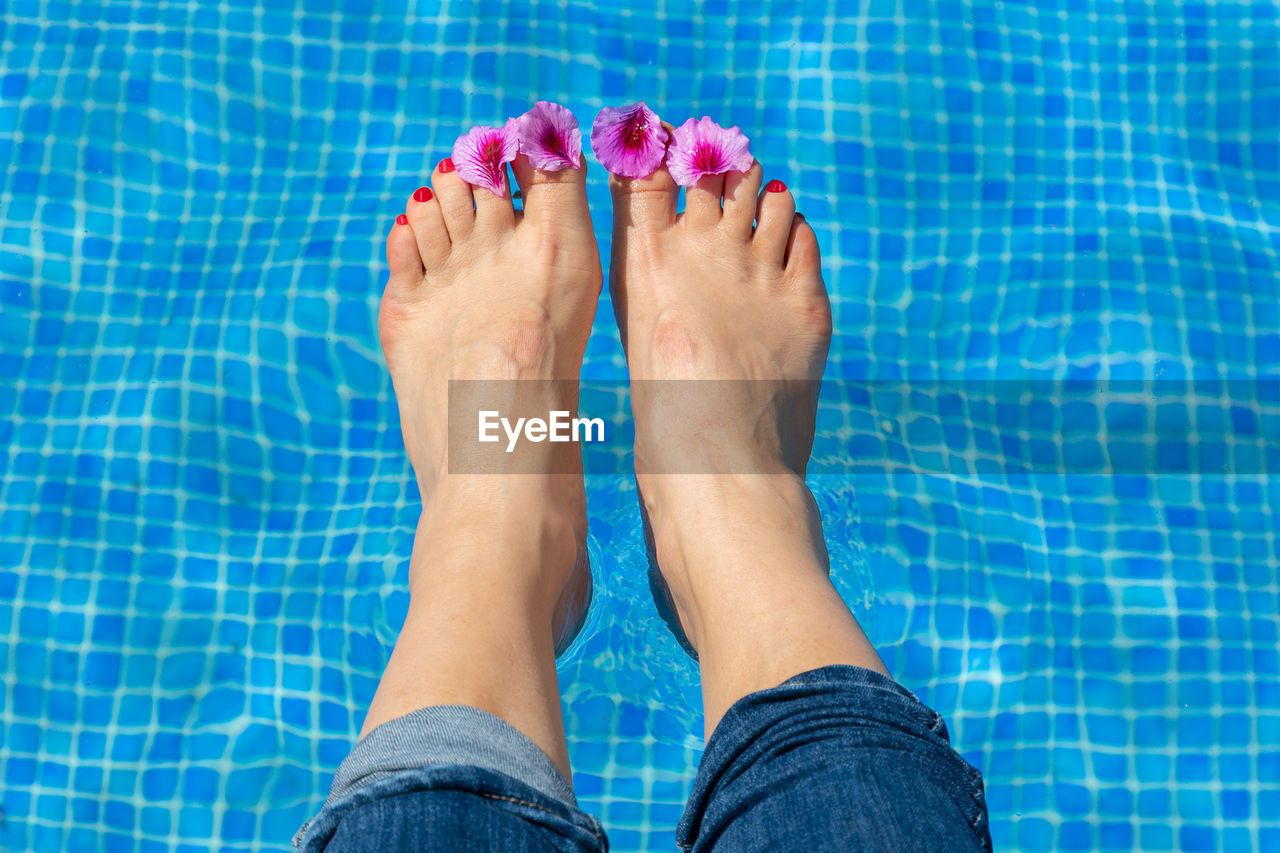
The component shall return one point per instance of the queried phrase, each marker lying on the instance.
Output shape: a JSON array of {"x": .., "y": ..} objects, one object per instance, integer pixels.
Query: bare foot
[
  {"x": 498, "y": 294},
  {"x": 499, "y": 563},
  {"x": 743, "y": 310}
]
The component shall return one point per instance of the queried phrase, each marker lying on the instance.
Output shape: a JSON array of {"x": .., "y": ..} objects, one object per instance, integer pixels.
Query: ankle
[
  {"x": 706, "y": 512},
  {"x": 521, "y": 532},
  {"x": 715, "y": 534},
  {"x": 746, "y": 563}
]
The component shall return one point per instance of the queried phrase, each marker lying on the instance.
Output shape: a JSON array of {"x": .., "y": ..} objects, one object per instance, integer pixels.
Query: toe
[
  {"x": 702, "y": 203},
  {"x": 455, "y": 199},
  {"x": 803, "y": 256},
  {"x": 740, "y": 192},
  {"x": 427, "y": 223},
  {"x": 494, "y": 212},
  {"x": 647, "y": 204},
  {"x": 552, "y": 196},
  {"x": 403, "y": 256},
  {"x": 774, "y": 214}
]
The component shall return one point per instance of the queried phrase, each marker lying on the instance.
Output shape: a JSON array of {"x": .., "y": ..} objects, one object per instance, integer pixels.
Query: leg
[
  {"x": 807, "y": 734},
  {"x": 493, "y": 294},
  {"x": 498, "y": 577},
  {"x": 706, "y": 299}
]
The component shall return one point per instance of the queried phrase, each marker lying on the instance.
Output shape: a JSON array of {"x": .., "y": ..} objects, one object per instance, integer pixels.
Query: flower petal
[
  {"x": 550, "y": 138},
  {"x": 701, "y": 147},
  {"x": 629, "y": 141},
  {"x": 481, "y": 153}
]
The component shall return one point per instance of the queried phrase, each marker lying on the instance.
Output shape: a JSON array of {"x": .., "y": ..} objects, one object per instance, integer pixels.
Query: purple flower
[
  {"x": 549, "y": 136},
  {"x": 629, "y": 141},
  {"x": 702, "y": 147},
  {"x": 481, "y": 154}
]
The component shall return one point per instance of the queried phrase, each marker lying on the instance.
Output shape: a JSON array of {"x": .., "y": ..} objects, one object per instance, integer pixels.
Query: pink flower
[
  {"x": 702, "y": 147},
  {"x": 549, "y": 136},
  {"x": 481, "y": 154},
  {"x": 629, "y": 141}
]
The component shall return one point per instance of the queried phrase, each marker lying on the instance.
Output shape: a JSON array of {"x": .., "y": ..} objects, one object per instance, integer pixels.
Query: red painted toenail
[
  {"x": 422, "y": 194},
  {"x": 775, "y": 187},
  {"x": 446, "y": 165},
  {"x": 402, "y": 220}
]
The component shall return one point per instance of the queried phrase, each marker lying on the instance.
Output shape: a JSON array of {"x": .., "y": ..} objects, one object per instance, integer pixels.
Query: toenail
[
  {"x": 422, "y": 194},
  {"x": 446, "y": 165},
  {"x": 402, "y": 220},
  {"x": 775, "y": 187}
]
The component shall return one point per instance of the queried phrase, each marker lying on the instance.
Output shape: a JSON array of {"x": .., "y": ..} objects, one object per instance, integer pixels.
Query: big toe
[
  {"x": 648, "y": 203},
  {"x": 552, "y": 196}
]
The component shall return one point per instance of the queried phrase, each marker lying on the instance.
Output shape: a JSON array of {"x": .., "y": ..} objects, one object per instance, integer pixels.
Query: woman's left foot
[{"x": 481, "y": 291}]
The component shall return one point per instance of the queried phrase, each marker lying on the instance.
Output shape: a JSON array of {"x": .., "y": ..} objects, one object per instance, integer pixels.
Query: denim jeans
[{"x": 838, "y": 758}]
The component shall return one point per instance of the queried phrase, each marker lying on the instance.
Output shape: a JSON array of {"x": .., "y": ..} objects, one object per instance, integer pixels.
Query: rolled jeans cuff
[{"x": 407, "y": 749}]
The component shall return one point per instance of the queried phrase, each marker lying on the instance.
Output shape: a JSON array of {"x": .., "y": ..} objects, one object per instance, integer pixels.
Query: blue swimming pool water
[{"x": 205, "y": 509}]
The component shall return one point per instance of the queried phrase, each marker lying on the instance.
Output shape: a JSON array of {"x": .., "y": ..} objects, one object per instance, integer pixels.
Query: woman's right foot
[
  {"x": 739, "y": 310},
  {"x": 720, "y": 460}
]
